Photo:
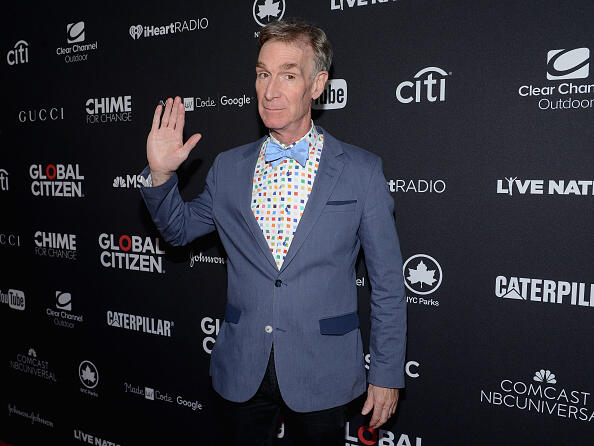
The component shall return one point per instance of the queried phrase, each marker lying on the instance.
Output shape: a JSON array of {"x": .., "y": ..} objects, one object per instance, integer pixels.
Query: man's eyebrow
[{"x": 286, "y": 66}]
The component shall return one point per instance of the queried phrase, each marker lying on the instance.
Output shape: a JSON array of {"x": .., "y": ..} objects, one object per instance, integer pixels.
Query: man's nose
[{"x": 272, "y": 89}]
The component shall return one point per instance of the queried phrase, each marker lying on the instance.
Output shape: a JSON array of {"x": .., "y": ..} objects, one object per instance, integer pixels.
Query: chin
[{"x": 273, "y": 122}]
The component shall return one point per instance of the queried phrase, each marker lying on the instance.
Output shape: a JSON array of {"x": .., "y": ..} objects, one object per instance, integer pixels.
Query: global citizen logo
[
  {"x": 143, "y": 324},
  {"x": 19, "y": 54},
  {"x": 219, "y": 102},
  {"x": 56, "y": 180},
  {"x": 138, "y": 31},
  {"x": 80, "y": 435},
  {"x": 333, "y": 97},
  {"x": 341, "y": 4},
  {"x": 201, "y": 258},
  {"x": 563, "y": 65},
  {"x": 541, "y": 393},
  {"x": 210, "y": 327},
  {"x": 77, "y": 51},
  {"x": 109, "y": 109},
  {"x": 128, "y": 181},
  {"x": 153, "y": 394},
  {"x": 366, "y": 435},
  {"x": 429, "y": 84},
  {"x": 545, "y": 187},
  {"x": 54, "y": 244},
  {"x": 15, "y": 299},
  {"x": 417, "y": 186},
  {"x": 134, "y": 253},
  {"x": 89, "y": 377},
  {"x": 29, "y": 363},
  {"x": 62, "y": 315},
  {"x": 545, "y": 291},
  {"x": 423, "y": 276}
]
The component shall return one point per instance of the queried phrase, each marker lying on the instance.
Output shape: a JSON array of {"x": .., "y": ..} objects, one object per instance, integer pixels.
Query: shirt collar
[{"x": 311, "y": 135}]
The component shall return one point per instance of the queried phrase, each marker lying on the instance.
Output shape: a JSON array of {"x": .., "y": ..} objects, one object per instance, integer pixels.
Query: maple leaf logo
[
  {"x": 421, "y": 275},
  {"x": 269, "y": 8},
  {"x": 88, "y": 375}
]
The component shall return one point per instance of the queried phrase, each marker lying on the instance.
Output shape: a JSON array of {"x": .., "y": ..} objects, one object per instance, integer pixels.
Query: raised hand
[{"x": 165, "y": 149}]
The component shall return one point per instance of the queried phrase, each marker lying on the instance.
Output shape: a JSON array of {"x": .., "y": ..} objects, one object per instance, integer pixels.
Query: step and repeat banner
[{"x": 482, "y": 113}]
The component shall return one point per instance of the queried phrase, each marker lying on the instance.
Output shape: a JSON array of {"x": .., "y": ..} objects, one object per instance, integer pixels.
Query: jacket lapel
[
  {"x": 329, "y": 171},
  {"x": 245, "y": 173}
]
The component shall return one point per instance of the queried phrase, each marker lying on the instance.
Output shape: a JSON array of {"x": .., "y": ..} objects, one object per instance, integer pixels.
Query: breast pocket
[{"x": 340, "y": 206}]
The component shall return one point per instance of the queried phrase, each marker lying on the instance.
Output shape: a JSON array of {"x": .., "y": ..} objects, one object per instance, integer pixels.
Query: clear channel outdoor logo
[
  {"x": 138, "y": 31},
  {"x": 266, "y": 11},
  {"x": 541, "y": 394},
  {"x": 428, "y": 84},
  {"x": 62, "y": 315},
  {"x": 579, "y": 294},
  {"x": 567, "y": 66},
  {"x": 423, "y": 276},
  {"x": 76, "y": 51},
  {"x": 333, "y": 97}
]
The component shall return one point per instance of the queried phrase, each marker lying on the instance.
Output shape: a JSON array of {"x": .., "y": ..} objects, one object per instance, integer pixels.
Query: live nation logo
[
  {"x": 541, "y": 393},
  {"x": 511, "y": 185},
  {"x": 85, "y": 437},
  {"x": 580, "y": 294},
  {"x": 422, "y": 276},
  {"x": 131, "y": 252}
]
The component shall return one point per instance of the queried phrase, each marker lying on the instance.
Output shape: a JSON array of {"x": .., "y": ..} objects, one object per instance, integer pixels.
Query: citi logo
[
  {"x": 15, "y": 299},
  {"x": 428, "y": 84},
  {"x": 144, "y": 324},
  {"x": 128, "y": 182},
  {"x": 545, "y": 291},
  {"x": 334, "y": 96},
  {"x": 368, "y": 436},
  {"x": 41, "y": 114},
  {"x": 568, "y": 64},
  {"x": 53, "y": 244},
  {"x": 75, "y": 32},
  {"x": 542, "y": 187},
  {"x": 134, "y": 253},
  {"x": 56, "y": 180},
  {"x": 3, "y": 179},
  {"x": 19, "y": 54}
]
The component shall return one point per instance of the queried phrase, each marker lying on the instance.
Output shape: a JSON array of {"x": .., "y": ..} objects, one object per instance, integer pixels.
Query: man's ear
[{"x": 318, "y": 84}]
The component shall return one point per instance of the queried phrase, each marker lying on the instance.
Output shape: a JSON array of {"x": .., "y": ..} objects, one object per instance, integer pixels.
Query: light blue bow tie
[{"x": 275, "y": 153}]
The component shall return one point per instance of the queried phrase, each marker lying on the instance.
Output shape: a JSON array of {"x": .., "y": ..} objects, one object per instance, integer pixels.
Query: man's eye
[
  {"x": 290, "y": 77},
  {"x": 262, "y": 75}
]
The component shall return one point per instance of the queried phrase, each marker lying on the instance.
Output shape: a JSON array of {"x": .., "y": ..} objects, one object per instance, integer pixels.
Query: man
[{"x": 292, "y": 211}]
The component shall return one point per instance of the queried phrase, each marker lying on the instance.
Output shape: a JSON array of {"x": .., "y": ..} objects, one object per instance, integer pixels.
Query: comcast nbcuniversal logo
[{"x": 541, "y": 394}]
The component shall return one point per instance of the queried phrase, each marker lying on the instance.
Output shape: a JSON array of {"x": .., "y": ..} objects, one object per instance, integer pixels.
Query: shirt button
[
  {"x": 278, "y": 283},
  {"x": 268, "y": 329}
]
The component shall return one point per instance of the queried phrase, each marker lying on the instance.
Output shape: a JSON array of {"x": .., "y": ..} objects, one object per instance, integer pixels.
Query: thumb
[
  {"x": 191, "y": 143},
  {"x": 368, "y": 404}
]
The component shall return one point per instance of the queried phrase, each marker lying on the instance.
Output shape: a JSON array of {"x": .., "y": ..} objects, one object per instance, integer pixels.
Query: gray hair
[{"x": 293, "y": 30}]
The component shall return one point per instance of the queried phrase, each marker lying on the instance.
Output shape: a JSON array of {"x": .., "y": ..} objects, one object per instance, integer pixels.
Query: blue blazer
[{"x": 308, "y": 308}]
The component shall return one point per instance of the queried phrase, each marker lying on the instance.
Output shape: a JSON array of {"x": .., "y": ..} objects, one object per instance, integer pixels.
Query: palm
[{"x": 165, "y": 149}]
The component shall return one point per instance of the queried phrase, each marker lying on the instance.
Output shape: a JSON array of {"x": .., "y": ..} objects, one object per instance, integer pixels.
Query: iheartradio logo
[{"x": 135, "y": 31}]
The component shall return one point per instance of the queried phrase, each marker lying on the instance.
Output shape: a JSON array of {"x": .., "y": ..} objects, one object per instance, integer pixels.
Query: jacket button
[
  {"x": 268, "y": 329},
  {"x": 278, "y": 283}
]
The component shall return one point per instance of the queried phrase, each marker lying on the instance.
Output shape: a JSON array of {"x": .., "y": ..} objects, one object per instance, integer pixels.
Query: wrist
[{"x": 159, "y": 178}]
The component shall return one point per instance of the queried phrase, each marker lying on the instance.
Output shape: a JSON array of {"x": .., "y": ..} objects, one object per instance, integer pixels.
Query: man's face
[{"x": 285, "y": 86}]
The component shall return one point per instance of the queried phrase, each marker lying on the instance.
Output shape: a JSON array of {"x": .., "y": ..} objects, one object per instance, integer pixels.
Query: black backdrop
[{"x": 487, "y": 147}]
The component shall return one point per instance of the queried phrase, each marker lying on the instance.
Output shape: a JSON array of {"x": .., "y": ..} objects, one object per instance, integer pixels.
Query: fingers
[
  {"x": 166, "y": 113},
  {"x": 156, "y": 118},
  {"x": 191, "y": 143},
  {"x": 174, "y": 112},
  {"x": 368, "y": 404},
  {"x": 181, "y": 118}
]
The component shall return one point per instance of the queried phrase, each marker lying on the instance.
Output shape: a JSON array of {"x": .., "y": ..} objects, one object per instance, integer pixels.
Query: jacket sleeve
[
  {"x": 181, "y": 222},
  {"x": 379, "y": 239}
]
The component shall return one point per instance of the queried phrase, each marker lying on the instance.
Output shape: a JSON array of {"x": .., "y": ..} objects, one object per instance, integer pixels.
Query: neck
[{"x": 289, "y": 136}]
